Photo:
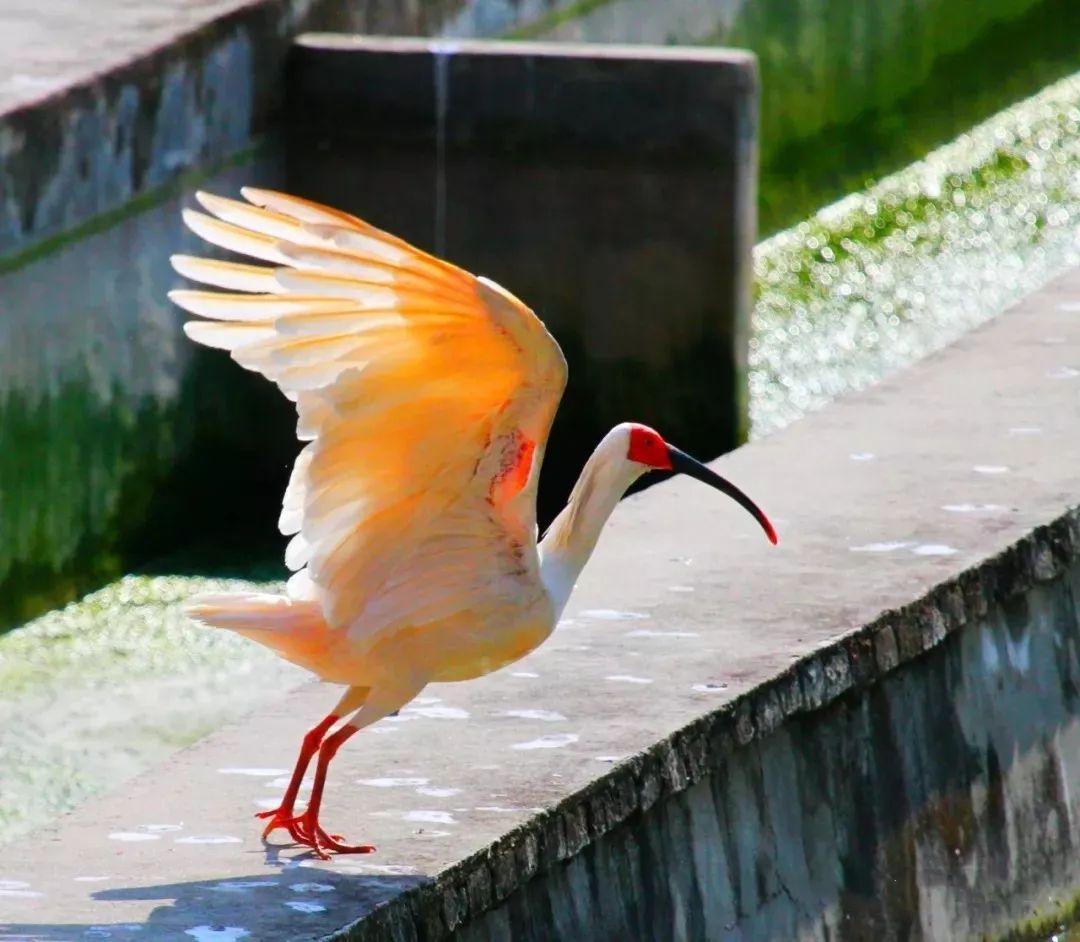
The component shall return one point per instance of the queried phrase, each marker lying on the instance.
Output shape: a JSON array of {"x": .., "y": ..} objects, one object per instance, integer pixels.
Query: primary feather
[{"x": 426, "y": 395}]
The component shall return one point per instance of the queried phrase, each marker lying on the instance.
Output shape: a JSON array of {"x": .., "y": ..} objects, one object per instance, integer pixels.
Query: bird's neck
[{"x": 572, "y": 536}]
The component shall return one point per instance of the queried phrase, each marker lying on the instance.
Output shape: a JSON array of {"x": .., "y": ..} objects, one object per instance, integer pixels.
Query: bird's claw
[
  {"x": 305, "y": 830},
  {"x": 279, "y": 818}
]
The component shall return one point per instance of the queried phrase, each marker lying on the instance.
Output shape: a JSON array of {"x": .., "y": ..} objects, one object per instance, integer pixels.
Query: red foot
[
  {"x": 304, "y": 829},
  {"x": 280, "y": 818}
]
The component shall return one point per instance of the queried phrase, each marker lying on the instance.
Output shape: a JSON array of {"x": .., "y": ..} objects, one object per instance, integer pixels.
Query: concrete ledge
[
  {"x": 177, "y": 88},
  {"x": 496, "y": 806}
]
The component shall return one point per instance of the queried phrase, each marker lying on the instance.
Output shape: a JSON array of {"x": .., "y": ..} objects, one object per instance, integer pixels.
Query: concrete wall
[
  {"x": 936, "y": 804},
  {"x": 112, "y": 429},
  {"x": 612, "y": 188},
  {"x": 867, "y": 732}
]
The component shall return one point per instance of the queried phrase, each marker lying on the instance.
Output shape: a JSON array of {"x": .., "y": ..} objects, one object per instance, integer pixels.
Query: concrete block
[{"x": 611, "y": 188}]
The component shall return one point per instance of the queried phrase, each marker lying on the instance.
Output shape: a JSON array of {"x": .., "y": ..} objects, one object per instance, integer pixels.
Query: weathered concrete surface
[
  {"x": 108, "y": 414},
  {"x": 169, "y": 87},
  {"x": 915, "y": 636},
  {"x": 111, "y": 113},
  {"x": 511, "y": 158}
]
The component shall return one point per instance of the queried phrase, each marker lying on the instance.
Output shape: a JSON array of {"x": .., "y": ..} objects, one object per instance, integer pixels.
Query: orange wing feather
[{"x": 426, "y": 396}]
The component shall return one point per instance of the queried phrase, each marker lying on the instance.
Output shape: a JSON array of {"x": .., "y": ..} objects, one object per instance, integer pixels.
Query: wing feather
[{"x": 425, "y": 395}]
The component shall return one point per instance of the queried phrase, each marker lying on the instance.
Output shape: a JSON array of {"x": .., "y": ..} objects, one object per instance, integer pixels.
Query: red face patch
[{"x": 648, "y": 448}]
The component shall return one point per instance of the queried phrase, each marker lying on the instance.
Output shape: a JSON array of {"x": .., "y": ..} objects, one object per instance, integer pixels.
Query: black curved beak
[{"x": 682, "y": 463}]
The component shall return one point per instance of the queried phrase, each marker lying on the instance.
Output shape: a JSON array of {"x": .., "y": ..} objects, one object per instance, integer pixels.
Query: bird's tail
[{"x": 293, "y": 628}]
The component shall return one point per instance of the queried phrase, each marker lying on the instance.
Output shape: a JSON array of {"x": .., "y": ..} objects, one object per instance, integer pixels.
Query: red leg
[
  {"x": 307, "y": 824},
  {"x": 284, "y": 816}
]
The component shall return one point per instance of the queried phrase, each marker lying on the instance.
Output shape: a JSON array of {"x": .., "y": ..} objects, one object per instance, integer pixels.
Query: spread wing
[{"x": 425, "y": 395}]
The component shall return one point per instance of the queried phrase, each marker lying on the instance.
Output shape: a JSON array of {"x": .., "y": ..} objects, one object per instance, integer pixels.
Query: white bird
[{"x": 425, "y": 396}]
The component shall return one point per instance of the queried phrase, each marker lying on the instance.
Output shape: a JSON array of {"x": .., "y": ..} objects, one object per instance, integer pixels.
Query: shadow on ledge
[{"x": 290, "y": 902}]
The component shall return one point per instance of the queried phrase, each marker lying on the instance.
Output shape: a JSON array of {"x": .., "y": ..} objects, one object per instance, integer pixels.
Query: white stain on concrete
[
  {"x": 284, "y": 783},
  {"x": 529, "y": 675},
  {"x": 649, "y": 633},
  {"x": 437, "y": 792},
  {"x": 242, "y": 886},
  {"x": 1025, "y": 430},
  {"x": 90, "y": 879},
  {"x": 1063, "y": 372},
  {"x": 990, "y": 468},
  {"x": 886, "y": 547},
  {"x": 9, "y": 888},
  {"x": 503, "y": 809},
  {"x": 554, "y": 741},
  {"x": 424, "y": 816},
  {"x": 208, "y": 839},
  {"x": 974, "y": 508},
  {"x": 862, "y": 456},
  {"x": 680, "y": 588},
  {"x": 392, "y": 870},
  {"x": 133, "y": 836},
  {"x": 402, "y": 782},
  {"x": 546, "y": 716},
  {"x": 305, "y": 906},
  {"x": 217, "y": 933},
  {"x": 709, "y": 688},
  {"x": 438, "y": 712},
  {"x": 934, "y": 549},
  {"x": 628, "y": 679},
  {"x": 611, "y": 614},
  {"x": 263, "y": 773}
]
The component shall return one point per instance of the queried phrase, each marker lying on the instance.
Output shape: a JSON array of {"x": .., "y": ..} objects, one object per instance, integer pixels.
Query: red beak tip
[{"x": 771, "y": 534}]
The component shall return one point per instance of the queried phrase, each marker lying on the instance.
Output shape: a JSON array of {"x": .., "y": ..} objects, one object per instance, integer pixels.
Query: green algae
[
  {"x": 851, "y": 91},
  {"x": 887, "y": 275},
  {"x": 877, "y": 124},
  {"x": 108, "y": 414},
  {"x": 1058, "y": 922},
  {"x": 99, "y": 690}
]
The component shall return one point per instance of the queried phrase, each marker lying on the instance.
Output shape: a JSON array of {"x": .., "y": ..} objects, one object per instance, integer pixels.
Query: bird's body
[{"x": 425, "y": 395}]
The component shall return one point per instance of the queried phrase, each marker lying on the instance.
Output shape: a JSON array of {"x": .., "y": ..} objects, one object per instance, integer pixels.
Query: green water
[
  {"x": 109, "y": 685},
  {"x": 853, "y": 90},
  {"x": 887, "y": 275},
  {"x": 98, "y": 691}
]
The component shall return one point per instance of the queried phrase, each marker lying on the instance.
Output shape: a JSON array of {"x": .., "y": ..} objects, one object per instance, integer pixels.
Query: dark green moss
[
  {"x": 853, "y": 91},
  {"x": 803, "y": 168}
]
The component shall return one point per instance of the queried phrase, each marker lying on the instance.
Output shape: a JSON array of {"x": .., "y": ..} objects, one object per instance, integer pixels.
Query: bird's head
[{"x": 648, "y": 451}]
